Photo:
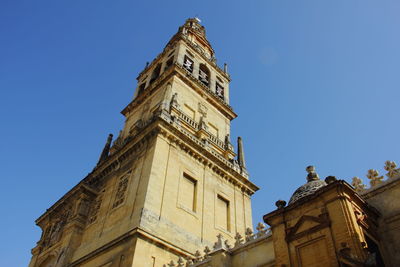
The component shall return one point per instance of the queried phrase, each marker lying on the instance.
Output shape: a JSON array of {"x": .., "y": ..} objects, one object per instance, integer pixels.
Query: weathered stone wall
[{"x": 385, "y": 198}]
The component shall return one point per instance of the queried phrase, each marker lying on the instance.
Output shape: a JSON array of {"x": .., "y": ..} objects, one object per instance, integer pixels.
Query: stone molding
[{"x": 322, "y": 222}]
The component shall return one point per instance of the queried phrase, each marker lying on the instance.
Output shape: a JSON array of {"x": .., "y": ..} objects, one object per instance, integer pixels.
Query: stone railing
[
  {"x": 195, "y": 126},
  {"x": 200, "y": 259},
  {"x": 375, "y": 179},
  {"x": 188, "y": 120},
  {"x": 216, "y": 141}
]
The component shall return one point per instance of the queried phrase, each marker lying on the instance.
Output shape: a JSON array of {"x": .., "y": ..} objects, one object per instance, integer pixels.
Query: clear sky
[{"x": 314, "y": 82}]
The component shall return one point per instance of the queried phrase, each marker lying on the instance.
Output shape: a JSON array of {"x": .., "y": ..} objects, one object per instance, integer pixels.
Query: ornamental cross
[
  {"x": 358, "y": 184},
  {"x": 373, "y": 175},
  {"x": 391, "y": 168}
]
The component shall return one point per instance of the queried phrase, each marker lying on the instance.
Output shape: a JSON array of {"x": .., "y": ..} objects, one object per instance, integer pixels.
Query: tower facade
[{"x": 170, "y": 182}]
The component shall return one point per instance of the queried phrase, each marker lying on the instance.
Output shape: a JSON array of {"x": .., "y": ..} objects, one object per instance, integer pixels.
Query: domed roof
[{"x": 312, "y": 185}]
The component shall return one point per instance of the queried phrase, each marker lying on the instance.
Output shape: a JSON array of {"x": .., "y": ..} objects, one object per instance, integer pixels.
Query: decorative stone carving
[
  {"x": 203, "y": 123},
  {"x": 373, "y": 175},
  {"x": 358, "y": 184},
  {"x": 391, "y": 168},
  {"x": 203, "y": 109},
  {"x": 174, "y": 101},
  {"x": 280, "y": 204},
  {"x": 121, "y": 190},
  {"x": 249, "y": 234},
  {"x": 312, "y": 175},
  {"x": 197, "y": 256},
  {"x": 189, "y": 262},
  {"x": 95, "y": 210},
  {"x": 261, "y": 230},
  {"x": 220, "y": 243},
  {"x": 171, "y": 264},
  {"x": 206, "y": 252},
  {"x": 227, "y": 245},
  {"x": 239, "y": 240},
  {"x": 180, "y": 262}
]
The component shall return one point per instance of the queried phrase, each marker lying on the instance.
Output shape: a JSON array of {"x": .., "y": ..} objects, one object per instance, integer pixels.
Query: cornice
[
  {"x": 186, "y": 141},
  {"x": 81, "y": 187}
]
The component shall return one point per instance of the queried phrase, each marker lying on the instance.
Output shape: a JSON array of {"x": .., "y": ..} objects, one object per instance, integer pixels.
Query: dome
[{"x": 312, "y": 185}]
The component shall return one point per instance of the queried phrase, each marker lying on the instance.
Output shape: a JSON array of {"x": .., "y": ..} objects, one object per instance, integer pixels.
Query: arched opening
[
  {"x": 169, "y": 63},
  {"x": 188, "y": 64},
  {"x": 204, "y": 75},
  {"x": 156, "y": 73},
  {"x": 219, "y": 90}
]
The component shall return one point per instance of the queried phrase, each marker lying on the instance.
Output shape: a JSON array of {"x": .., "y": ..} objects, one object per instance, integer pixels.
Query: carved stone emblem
[{"x": 203, "y": 109}]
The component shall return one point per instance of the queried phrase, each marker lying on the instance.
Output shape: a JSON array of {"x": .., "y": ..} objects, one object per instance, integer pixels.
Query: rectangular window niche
[
  {"x": 188, "y": 193},
  {"x": 222, "y": 213}
]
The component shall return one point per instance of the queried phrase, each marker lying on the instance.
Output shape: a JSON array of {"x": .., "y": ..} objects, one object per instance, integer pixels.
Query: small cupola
[{"x": 312, "y": 185}]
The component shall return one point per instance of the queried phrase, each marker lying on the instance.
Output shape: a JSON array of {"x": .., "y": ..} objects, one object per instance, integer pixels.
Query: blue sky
[{"x": 314, "y": 82}]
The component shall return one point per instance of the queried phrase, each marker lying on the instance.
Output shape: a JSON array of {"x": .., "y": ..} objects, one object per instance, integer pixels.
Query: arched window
[
  {"x": 188, "y": 63},
  {"x": 156, "y": 73},
  {"x": 204, "y": 75},
  {"x": 219, "y": 90},
  {"x": 141, "y": 88},
  {"x": 169, "y": 63}
]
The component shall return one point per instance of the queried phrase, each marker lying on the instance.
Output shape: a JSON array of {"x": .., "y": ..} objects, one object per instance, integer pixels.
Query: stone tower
[{"x": 170, "y": 182}]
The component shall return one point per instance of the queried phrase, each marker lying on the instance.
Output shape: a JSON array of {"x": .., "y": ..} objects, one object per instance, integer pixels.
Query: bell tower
[{"x": 170, "y": 182}]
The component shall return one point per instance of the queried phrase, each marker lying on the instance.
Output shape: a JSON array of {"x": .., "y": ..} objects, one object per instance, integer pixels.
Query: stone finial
[
  {"x": 203, "y": 123},
  {"x": 330, "y": 179},
  {"x": 189, "y": 262},
  {"x": 241, "y": 160},
  {"x": 239, "y": 239},
  {"x": 207, "y": 251},
  {"x": 261, "y": 229},
  {"x": 225, "y": 68},
  {"x": 249, "y": 234},
  {"x": 220, "y": 242},
  {"x": 373, "y": 175},
  {"x": 174, "y": 100},
  {"x": 227, "y": 245},
  {"x": 202, "y": 109},
  {"x": 391, "y": 168},
  {"x": 106, "y": 149},
  {"x": 197, "y": 256},
  {"x": 312, "y": 175},
  {"x": 280, "y": 204},
  {"x": 171, "y": 264},
  {"x": 180, "y": 262},
  {"x": 358, "y": 184}
]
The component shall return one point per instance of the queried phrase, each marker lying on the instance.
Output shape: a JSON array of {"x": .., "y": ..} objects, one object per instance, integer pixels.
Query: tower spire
[
  {"x": 241, "y": 160},
  {"x": 106, "y": 149}
]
